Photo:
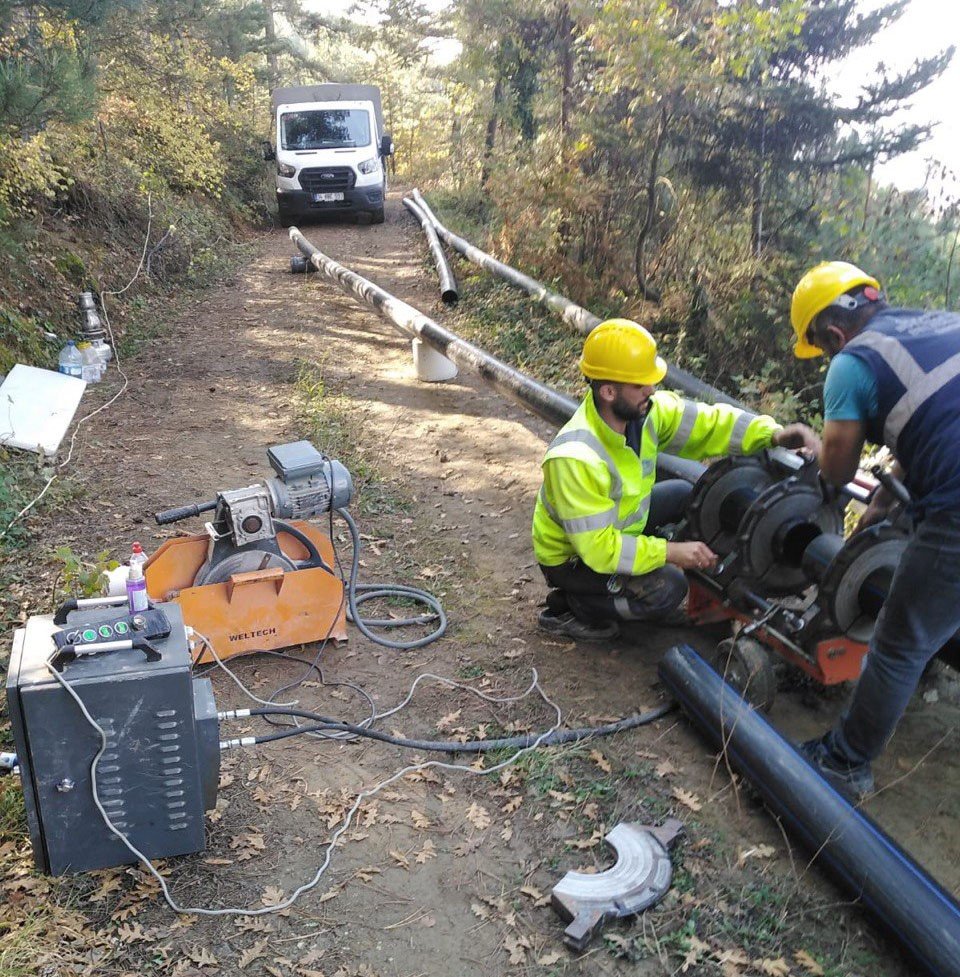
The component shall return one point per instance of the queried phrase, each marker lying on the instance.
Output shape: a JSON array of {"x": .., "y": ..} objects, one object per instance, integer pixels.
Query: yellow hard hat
[
  {"x": 621, "y": 351},
  {"x": 822, "y": 286}
]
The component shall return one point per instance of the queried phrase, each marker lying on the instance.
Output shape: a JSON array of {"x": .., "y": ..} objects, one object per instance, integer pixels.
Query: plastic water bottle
[
  {"x": 71, "y": 363},
  {"x": 138, "y": 556},
  {"x": 104, "y": 354},
  {"x": 90, "y": 365},
  {"x": 137, "y": 589}
]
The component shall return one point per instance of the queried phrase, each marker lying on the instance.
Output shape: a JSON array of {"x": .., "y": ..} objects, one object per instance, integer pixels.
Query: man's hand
[
  {"x": 877, "y": 510},
  {"x": 691, "y": 556},
  {"x": 799, "y": 437}
]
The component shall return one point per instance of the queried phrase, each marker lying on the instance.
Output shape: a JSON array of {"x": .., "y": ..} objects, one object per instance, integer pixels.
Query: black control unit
[{"x": 160, "y": 769}]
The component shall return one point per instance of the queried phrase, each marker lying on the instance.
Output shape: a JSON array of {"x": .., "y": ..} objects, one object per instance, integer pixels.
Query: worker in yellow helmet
[
  {"x": 893, "y": 379},
  {"x": 598, "y": 512}
]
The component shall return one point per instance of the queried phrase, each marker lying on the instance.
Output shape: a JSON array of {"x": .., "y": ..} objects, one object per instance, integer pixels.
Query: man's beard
[{"x": 624, "y": 412}]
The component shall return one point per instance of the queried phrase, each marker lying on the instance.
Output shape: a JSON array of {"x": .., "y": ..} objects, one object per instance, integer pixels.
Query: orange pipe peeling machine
[{"x": 261, "y": 577}]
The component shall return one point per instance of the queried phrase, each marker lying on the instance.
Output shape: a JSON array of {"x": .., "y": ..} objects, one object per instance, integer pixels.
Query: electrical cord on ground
[
  {"x": 312, "y": 666},
  {"x": 334, "y": 838},
  {"x": 442, "y": 746}
]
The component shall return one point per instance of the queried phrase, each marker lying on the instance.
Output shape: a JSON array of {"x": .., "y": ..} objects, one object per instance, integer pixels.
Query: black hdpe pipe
[
  {"x": 448, "y": 284},
  {"x": 866, "y": 862},
  {"x": 542, "y": 400},
  {"x": 581, "y": 319}
]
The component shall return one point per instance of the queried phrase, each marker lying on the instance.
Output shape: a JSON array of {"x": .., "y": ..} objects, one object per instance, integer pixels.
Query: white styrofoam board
[{"x": 36, "y": 408}]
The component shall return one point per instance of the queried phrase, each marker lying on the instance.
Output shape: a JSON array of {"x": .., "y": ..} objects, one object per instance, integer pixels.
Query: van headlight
[
  {"x": 285, "y": 169},
  {"x": 369, "y": 165}
]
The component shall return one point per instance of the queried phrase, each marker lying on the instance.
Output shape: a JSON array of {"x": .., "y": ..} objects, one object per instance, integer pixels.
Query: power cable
[{"x": 441, "y": 746}]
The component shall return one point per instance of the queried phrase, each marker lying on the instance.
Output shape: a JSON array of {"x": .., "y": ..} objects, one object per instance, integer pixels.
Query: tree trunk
[
  {"x": 271, "y": 36},
  {"x": 491, "y": 135},
  {"x": 565, "y": 31},
  {"x": 639, "y": 258}
]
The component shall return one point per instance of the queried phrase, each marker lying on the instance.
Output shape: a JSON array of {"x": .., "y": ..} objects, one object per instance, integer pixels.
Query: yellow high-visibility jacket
[{"x": 595, "y": 496}]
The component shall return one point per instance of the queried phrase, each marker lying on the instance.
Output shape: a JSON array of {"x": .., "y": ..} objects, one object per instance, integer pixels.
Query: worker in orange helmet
[
  {"x": 894, "y": 380},
  {"x": 599, "y": 514}
]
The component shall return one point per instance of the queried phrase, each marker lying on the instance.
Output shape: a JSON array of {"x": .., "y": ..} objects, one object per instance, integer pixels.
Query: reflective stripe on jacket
[
  {"x": 915, "y": 357},
  {"x": 595, "y": 496}
]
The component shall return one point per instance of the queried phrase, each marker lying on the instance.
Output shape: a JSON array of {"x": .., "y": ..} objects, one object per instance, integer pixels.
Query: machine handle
[
  {"x": 72, "y": 652},
  {"x": 892, "y": 484},
  {"x": 183, "y": 512},
  {"x": 79, "y": 603}
]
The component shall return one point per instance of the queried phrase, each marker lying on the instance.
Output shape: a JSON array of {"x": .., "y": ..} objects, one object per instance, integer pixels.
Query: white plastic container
[
  {"x": 71, "y": 362},
  {"x": 431, "y": 366},
  {"x": 91, "y": 368},
  {"x": 103, "y": 351}
]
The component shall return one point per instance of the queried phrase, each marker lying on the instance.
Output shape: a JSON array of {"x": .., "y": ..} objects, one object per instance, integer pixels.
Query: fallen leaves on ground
[
  {"x": 248, "y": 845},
  {"x": 252, "y": 953},
  {"x": 808, "y": 963},
  {"x": 687, "y": 798},
  {"x": 478, "y": 816},
  {"x": 757, "y": 851},
  {"x": 601, "y": 761},
  {"x": 772, "y": 968}
]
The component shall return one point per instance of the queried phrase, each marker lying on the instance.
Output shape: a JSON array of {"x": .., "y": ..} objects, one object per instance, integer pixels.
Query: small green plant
[{"x": 84, "y": 578}]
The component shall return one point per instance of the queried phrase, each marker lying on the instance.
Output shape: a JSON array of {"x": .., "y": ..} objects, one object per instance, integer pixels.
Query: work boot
[
  {"x": 853, "y": 780},
  {"x": 571, "y": 626}
]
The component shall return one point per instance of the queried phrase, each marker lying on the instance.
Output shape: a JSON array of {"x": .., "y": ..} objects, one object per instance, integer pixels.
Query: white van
[{"x": 330, "y": 151}]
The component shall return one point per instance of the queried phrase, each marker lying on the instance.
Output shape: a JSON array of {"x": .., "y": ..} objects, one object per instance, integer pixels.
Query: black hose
[{"x": 453, "y": 746}]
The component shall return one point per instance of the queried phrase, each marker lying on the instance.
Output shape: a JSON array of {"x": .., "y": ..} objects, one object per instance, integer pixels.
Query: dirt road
[{"x": 445, "y": 872}]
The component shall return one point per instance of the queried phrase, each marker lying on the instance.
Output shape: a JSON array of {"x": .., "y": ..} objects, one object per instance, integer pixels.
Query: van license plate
[{"x": 326, "y": 198}]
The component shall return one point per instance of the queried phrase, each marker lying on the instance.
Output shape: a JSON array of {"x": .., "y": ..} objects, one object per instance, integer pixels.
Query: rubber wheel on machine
[
  {"x": 745, "y": 664},
  {"x": 377, "y": 216}
]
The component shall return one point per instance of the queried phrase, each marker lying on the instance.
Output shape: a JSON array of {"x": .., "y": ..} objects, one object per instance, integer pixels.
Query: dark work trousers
[
  {"x": 599, "y": 597},
  {"x": 921, "y": 613}
]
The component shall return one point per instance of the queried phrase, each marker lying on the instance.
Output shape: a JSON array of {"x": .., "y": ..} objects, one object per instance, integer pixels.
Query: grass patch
[{"x": 340, "y": 432}]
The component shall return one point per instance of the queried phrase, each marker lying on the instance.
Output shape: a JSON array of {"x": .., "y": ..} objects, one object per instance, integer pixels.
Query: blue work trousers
[{"x": 921, "y": 613}]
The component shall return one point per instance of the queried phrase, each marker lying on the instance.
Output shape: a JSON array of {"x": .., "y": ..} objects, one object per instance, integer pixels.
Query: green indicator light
[
  {"x": 89, "y": 635},
  {"x": 121, "y": 627},
  {"x": 106, "y": 631}
]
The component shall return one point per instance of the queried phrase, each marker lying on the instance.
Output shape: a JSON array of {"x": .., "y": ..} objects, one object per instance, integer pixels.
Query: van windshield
[{"x": 325, "y": 129}]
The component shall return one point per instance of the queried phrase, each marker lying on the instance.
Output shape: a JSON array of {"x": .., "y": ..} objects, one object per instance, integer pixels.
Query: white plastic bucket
[{"x": 431, "y": 366}]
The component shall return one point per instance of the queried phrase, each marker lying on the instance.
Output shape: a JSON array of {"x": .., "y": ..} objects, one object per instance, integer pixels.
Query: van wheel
[
  {"x": 287, "y": 220},
  {"x": 376, "y": 216}
]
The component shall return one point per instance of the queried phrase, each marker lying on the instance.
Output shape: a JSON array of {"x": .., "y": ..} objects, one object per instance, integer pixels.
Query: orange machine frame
[
  {"x": 831, "y": 661},
  {"x": 256, "y": 611}
]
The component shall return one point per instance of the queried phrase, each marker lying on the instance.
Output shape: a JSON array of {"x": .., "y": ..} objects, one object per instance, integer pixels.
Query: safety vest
[
  {"x": 595, "y": 496},
  {"x": 915, "y": 357}
]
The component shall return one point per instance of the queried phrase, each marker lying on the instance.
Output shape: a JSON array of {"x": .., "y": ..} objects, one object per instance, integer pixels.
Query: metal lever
[
  {"x": 892, "y": 484},
  {"x": 72, "y": 652},
  {"x": 82, "y": 603}
]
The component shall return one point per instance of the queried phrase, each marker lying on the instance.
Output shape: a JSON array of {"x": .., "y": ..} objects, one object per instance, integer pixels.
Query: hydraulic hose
[
  {"x": 358, "y": 593},
  {"x": 866, "y": 862},
  {"x": 325, "y": 723}
]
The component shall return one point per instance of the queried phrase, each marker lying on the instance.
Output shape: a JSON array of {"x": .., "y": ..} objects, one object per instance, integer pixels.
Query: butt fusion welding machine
[
  {"x": 785, "y": 573},
  {"x": 251, "y": 582}
]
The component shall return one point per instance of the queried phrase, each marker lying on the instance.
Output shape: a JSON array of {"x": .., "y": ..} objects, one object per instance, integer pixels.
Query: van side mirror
[
  {"x": 386, "y": 145},
  {"x": 266, "y": 148}
]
